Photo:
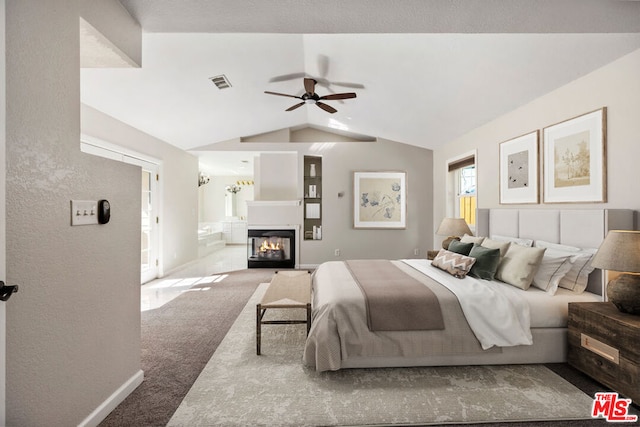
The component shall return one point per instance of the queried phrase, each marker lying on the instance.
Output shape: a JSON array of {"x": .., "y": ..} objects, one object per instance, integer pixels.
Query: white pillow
[
  {"x": 471, "y": 239},
  {"x": 556, "y": 246},
  {"x": 516, "y": 240},
  {"x": 519, "y": 266},
  {"x": 577, "y": 277},
  {"x": 554, "y": 266}
]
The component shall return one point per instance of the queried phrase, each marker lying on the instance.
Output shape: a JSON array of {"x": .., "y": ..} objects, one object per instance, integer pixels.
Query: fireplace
[{"x": 271, "y": 248}]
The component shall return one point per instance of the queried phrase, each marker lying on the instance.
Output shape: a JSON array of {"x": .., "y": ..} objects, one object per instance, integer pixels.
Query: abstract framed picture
[
  {"x": 575, "y": 159},
  {"x": 519, "y": 169},
  {"x": 380, "y": 200}
]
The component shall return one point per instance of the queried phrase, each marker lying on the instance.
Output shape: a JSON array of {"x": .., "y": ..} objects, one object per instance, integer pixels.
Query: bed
[{"x": 534, "y": 332}]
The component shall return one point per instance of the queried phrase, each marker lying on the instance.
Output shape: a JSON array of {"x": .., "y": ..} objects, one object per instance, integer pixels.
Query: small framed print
[
  {"x": 380, "y": 200},
  {"x": 575, "y": 160},
  {"x": 519, "y": 169}
]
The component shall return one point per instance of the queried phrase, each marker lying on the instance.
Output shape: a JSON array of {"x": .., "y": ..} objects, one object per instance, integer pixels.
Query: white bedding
[
  {"x": 339, "y": 334},
  {"x": 497, "y": 314}
]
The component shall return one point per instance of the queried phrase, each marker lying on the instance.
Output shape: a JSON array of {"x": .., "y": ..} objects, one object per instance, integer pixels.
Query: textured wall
[
  {"x": 73, "y": 331},
  {"x": 615, "y": 86}
]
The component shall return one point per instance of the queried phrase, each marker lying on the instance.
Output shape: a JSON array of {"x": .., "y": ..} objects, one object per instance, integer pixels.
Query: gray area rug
[{"x": 238, "y": 388}]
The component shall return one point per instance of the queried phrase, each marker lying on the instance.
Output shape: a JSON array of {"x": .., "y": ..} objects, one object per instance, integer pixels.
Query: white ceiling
[{"x": 425, "y": 71}]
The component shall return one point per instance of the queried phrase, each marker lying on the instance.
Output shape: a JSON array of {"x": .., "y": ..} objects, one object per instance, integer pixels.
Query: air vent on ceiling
[{"x": 221, "y": 81}]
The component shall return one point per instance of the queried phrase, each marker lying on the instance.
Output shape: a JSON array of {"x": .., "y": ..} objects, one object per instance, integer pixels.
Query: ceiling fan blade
[
  {"x": 339, "y": 96},
  {"x": 285, "y": 77},
  {"x": 295, "y": 106},
  {"x": 281, "y": 94},
  {"x": 309, "y": 85},
  {"x": 325, "y": 107},
  {"x": 350, "y": 85}
]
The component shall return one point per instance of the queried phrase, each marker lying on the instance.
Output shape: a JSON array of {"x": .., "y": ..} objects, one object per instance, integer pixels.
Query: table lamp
[
  {"x": 620, "y": 251},
  {"x": 453, "y": 228}
]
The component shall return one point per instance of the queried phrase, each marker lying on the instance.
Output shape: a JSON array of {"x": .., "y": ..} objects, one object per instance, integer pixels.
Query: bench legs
[{"x": 260, "y": 311}]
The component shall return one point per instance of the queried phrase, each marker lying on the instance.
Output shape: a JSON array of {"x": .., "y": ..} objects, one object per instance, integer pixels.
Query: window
[
  {"x": 466, "y": 195},
  {"x": 462, "y": 189}
]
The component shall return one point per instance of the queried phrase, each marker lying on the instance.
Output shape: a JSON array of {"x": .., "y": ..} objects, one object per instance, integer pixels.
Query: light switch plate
[{"x": 84, "y": 212}]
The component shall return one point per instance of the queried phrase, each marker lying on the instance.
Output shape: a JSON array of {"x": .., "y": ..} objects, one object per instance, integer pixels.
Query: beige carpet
[{"x": 238, "y": 388}]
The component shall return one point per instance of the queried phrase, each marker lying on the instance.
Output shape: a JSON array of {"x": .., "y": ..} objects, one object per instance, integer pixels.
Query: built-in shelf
[{"x": 312, "y": 187}]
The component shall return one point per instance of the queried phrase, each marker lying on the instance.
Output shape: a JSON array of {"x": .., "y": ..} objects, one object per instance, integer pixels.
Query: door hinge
[
  {"x": 157, "y": 262},
  {"x": 157, "y": 177},
  {"x": 157, "y": 220}
]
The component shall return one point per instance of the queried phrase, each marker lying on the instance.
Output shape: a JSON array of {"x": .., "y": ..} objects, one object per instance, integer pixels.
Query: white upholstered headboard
[{"x": 584, "y": 228}]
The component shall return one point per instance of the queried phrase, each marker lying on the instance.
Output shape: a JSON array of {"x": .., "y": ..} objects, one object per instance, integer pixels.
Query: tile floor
[{"x": 158, "y": 292}]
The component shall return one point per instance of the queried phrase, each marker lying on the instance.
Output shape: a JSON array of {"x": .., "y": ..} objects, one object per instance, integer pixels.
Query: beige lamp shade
[
  {"x": 620, "y": 251},
  {"x": 453, "y": 228}
]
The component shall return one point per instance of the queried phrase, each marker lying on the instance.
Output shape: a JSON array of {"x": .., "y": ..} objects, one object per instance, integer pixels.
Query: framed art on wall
[
  {"x": 519, "y": 169},
  {"x": 380, "y": 200},
  {"x": 575, "y": 159}
]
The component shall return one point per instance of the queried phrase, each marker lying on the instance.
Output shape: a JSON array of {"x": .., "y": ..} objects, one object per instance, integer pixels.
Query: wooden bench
[{"x": 288, "y": 289}]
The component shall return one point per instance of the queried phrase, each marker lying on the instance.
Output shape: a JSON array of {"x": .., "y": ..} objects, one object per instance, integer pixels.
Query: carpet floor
[{"x": 179, "y": 339}]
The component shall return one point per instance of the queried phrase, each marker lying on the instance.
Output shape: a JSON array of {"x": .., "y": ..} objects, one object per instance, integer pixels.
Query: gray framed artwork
[
  {"x": 380, "y": 200},
  {"x": 519, "y": 169}
]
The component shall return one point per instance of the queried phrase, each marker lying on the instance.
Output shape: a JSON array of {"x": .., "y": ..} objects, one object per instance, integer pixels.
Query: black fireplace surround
[{"x": 271, "y": 248}]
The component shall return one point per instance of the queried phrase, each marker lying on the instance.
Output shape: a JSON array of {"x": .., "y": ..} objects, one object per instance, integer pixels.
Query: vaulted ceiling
[{"x": 425, "y": 71}]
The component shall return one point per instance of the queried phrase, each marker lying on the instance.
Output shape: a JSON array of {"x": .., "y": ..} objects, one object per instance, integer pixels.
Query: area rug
[{"x": 239, "y": 388}]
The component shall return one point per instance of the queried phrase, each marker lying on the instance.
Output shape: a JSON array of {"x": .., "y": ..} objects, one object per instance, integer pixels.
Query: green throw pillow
[
  {"x": 460, "y": 248},
  {"x": 486, "y": 264}
]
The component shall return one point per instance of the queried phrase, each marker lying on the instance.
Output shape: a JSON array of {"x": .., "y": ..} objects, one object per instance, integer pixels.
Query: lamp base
[
  {"x": 624, "y": 293},
  {"x": 445, "y": 242}
]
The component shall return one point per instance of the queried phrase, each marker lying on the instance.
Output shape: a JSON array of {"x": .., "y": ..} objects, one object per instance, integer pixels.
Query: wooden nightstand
[{"x": 604, "y": 343}]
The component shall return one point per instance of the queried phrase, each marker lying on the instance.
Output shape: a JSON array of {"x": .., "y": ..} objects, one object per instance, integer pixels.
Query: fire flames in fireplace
[{"x": 271, "y": 250}]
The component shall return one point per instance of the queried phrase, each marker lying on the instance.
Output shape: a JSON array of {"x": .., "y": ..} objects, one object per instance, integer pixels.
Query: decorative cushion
[
  {"x": 552, "y": 269},
  {"x": 471, "y": 239},
  {"x": 487, "y": 261},
  {"x": 460, "y": 247},
  {"x": 494, "y": 244},
  {"x": 516, "y": 240},
  {"x": 519, "y": 266},
  {"x": 457, "y": 265}
]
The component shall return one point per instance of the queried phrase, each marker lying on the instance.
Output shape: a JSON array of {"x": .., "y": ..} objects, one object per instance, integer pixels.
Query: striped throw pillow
[{"x": 457, "y": 265}]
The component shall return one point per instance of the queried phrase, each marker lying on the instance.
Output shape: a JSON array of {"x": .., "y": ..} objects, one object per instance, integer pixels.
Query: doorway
[
  {"x": 149, "y": 258},
  {"x": 150, "y": 262}
]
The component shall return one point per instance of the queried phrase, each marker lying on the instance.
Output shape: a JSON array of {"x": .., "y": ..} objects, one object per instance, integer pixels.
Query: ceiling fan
[{"x": 311, "y": 97}]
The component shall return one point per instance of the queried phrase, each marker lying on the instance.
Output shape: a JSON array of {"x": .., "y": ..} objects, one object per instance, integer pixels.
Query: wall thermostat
[{"x": 104, "y": 211}]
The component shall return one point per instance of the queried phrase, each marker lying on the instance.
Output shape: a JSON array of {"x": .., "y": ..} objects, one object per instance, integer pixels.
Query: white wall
[
  {"x": 73, "y": 330},
  {"x": 278, "y": 176},
  {"x": 615, "y": 86},
  {"x": 339, "y": 162},
  {"x": 178, "y": 182}
]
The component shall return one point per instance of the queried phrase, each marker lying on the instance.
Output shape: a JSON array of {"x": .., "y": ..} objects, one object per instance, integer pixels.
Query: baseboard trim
[
  {"x": 308, "y": 266},
  {"x": 101, "y": 412}
]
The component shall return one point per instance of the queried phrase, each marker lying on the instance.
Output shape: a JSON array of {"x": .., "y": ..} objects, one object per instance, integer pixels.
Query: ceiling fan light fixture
[{"x": 310, "y": 101}]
